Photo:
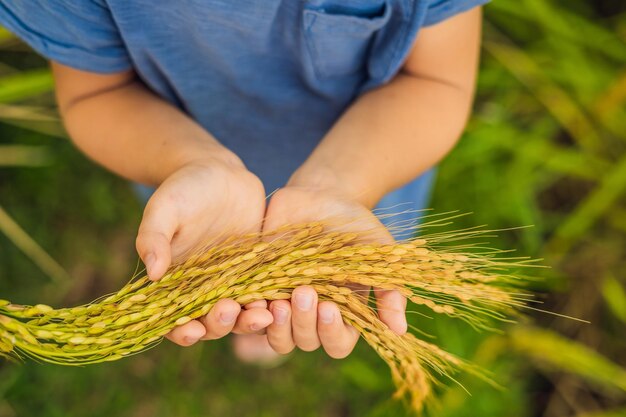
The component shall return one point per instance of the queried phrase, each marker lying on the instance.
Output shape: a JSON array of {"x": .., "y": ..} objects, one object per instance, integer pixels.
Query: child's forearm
[
  {"x": 388, "y": 137},
  {"x": 133, "y": 132},
  {"x": 391, "y": 135}
]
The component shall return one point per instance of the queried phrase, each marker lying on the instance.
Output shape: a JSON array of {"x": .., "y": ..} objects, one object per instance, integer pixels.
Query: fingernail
[
  {"x": 190, "y": 340},
  {"x": 149, "y": 261},
  {"x": 255, "y": 326},
  {"x": 280, "y": 315},
  {"x": 304, "y": 301},
  {"x": 326, "y": 315},
  {"x": 228, "y": 318}
]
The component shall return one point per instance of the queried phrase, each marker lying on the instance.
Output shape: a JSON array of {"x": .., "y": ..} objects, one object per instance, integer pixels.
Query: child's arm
[
  {"x": 203, "y": 191},
  {"x": 388, "y": 137},
  {"x": 118, "y": 122},
  {"x": 393, "y": 134}
]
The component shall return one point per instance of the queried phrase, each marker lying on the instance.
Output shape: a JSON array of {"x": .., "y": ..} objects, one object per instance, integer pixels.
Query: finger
[
  {"x": 187, "y": 334},
  {"x": 158, "y": 225},
  {"x": 256, "y": 304},
  {"x": 253, "y": 321},
  {"x": 338, "y": 338},
  {"x": 221, "y": 319},
  {"x": 279, "y": 332},
  {"x": 254, "y": 349},
  {"x": 304, "y": 318},
  {"x": 391, "y": 307}
]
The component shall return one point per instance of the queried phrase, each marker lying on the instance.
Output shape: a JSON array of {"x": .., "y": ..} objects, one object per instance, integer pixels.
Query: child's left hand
[{"x": 304, "y": 322}]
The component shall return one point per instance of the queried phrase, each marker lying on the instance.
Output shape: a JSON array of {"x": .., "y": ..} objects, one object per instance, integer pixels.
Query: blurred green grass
[{"x": 546, "y": 147}]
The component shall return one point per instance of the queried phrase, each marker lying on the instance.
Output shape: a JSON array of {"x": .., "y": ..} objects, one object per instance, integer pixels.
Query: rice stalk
[{"x": 471, "y": 286}]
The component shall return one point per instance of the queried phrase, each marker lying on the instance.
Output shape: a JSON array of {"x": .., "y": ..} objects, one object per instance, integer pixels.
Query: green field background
[{"x": 546, "y": 147}]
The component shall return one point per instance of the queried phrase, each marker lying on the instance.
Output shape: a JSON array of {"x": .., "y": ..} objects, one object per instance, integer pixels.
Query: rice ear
[{"x": 447, "y": 280}]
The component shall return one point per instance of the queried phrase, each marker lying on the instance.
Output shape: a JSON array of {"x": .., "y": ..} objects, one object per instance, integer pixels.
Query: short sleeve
[
  {"x": 78, "y": 33},
  {"x": 440, "y": 10}
]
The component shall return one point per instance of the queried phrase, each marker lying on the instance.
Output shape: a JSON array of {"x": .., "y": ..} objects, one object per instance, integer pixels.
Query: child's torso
[{"x": 267, "y": 78}]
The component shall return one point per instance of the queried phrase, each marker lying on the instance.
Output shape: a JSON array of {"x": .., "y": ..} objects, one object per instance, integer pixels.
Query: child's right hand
[{"x": 199, "y": 203}]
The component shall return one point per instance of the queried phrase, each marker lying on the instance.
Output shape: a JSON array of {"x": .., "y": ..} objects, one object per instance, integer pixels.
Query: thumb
[{"x": 154, "y": 239}]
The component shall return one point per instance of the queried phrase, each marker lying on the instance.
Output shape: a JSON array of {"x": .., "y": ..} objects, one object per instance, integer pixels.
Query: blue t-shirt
[{"x": 267, "y": 78}]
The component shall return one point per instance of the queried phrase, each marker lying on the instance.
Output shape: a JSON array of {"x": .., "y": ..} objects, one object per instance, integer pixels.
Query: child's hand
[
  {"x": 304, "y": 322},
  {"x": 198, "y": 204}
]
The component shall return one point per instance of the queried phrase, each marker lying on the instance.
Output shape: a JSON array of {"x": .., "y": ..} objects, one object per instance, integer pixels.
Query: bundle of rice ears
[{"x": 453, "y": 280}]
